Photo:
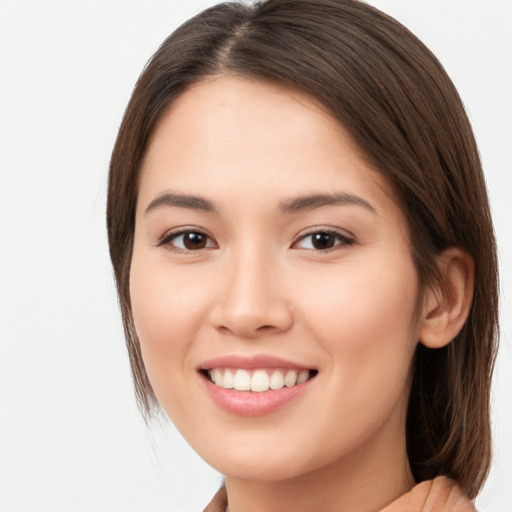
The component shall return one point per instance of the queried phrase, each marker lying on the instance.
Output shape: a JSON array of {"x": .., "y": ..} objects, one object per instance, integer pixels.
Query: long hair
[{"x": 401, "y": 109}]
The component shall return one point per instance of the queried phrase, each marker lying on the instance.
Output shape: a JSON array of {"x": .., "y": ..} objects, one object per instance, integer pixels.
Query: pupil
[
  {"x": 323, "y": 241},
  {"x": 194, "y": 241}
]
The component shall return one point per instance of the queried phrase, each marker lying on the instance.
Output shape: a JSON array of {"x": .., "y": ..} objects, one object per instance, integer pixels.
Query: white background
[{"x": 71, "y": 438}]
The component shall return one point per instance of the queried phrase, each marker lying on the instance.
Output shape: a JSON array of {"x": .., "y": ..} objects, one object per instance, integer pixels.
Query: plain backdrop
[{"x": 71, "y": 437}]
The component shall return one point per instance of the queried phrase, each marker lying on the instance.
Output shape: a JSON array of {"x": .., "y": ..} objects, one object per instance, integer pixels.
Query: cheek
[
  {"x": 364, "y": 318},
  {"x": 363, "y": 323},
  {"x": 166, "y": 300},
  {"x": 166, "y": 308}
]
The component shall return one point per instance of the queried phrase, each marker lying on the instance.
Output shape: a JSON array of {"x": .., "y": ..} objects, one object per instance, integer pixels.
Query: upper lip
[{"x": 250, "y": 362}]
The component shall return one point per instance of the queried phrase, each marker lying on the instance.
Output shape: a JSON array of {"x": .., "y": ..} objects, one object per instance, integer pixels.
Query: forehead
[{"x": 234, "y": 135}]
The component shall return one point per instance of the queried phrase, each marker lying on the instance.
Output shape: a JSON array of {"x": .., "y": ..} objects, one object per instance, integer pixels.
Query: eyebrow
[
  {"x": 181, "y": 201},
  {"x": 310, "y": 202},
  {"x": 291, "y": 205}
]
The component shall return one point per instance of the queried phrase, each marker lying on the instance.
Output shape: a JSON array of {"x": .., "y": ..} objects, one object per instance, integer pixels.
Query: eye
[
  {"x": 322, "y": 240},
  {"x": 187, "y": 240}
]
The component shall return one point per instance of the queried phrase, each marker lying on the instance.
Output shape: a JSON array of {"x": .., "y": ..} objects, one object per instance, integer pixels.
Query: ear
[{"x": 446, "y": 305}]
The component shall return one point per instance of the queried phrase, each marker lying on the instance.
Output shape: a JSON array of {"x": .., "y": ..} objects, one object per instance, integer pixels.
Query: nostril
[{"x": 265, "y": 328}]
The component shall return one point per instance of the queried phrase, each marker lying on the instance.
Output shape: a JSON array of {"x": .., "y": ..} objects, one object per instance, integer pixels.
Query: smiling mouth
[{"x": 257, "y": 380}]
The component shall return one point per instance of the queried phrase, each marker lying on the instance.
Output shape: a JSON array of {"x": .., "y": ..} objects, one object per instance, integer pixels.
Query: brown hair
[{"x": 396, "y": 100}]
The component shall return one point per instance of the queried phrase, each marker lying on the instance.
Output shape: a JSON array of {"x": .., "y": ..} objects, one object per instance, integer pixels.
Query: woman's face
[{"x": 267, "y": 252}]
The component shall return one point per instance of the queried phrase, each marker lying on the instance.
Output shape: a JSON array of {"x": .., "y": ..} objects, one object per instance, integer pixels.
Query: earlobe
[{"x": 447, "y": 304}]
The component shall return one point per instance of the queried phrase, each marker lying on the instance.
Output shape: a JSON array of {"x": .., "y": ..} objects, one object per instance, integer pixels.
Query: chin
[{"x": 259, "y": 470}]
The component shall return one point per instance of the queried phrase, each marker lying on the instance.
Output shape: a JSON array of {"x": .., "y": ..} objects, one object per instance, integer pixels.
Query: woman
[{"x": 305, "y": 260}]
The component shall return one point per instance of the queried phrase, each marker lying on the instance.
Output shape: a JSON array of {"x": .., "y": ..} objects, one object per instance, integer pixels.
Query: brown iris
[
  {"x": 193, "y": 240},
  {"x": 323, "y": 240}
]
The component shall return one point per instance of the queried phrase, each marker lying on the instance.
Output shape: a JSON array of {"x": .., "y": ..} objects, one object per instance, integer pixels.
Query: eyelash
[
  {"x": 343, "y": 240},
  {"x": 173, "y": 235},
  {"x": 169, "y": 237}
]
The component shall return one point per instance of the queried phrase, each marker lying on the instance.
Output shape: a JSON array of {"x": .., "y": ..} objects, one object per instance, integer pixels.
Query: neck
[{"x": 365, "y": 481}]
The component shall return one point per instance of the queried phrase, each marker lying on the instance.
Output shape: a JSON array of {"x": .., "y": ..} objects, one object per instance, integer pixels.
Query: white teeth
[
  {"x": 303, "y": 377},
  {"x": 229, "y": 378},
  {"x": 217, "y": 377},
  {"x": 276, "y": 380},
  {"x": 260, "y": 381},
  {"x": 290, "y": 379},
  {"x": 242, "y": 381}
]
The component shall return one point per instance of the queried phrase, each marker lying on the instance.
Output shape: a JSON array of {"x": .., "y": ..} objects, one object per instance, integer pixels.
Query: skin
[{"x": 260, "y": 287}]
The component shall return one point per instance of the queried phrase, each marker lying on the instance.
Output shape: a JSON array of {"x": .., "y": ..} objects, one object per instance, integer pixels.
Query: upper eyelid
[
  {"x": 175, "y": 232},
  {"x": 325, "y": 229},
  {"x": 345, "y": 239}
]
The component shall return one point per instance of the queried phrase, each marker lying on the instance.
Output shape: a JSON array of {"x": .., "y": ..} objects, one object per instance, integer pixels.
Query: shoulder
[{"x": 440, "y": 494}]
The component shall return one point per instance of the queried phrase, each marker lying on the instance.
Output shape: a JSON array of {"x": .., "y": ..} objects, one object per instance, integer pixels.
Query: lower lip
[{"x": 249, "y": 403}]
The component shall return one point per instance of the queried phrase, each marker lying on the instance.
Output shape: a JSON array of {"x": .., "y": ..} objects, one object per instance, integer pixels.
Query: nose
[{"x": 252, "y": 300}]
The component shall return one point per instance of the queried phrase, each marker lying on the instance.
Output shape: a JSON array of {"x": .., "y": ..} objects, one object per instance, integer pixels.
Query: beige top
[{"x": 438, "y": 495}]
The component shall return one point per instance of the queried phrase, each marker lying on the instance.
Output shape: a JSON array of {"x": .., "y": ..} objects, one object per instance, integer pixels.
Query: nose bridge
[{"x": 253, "y": 300}]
